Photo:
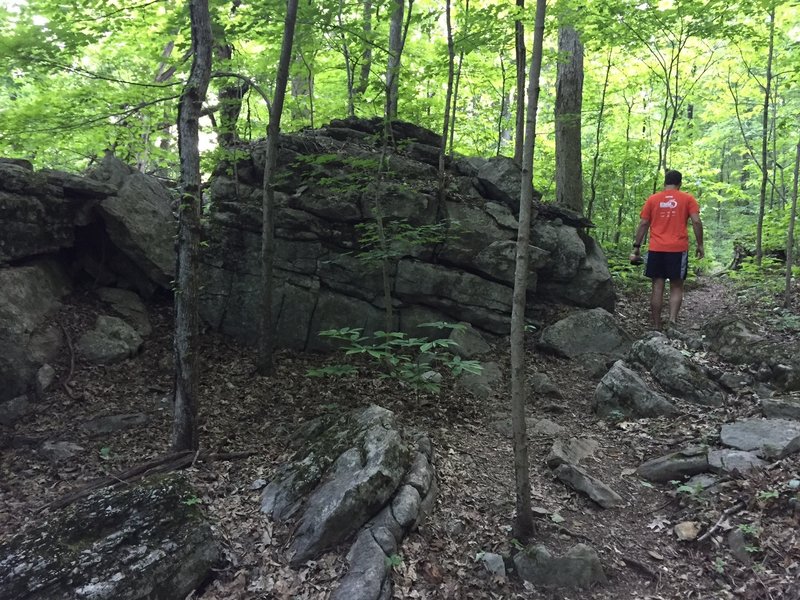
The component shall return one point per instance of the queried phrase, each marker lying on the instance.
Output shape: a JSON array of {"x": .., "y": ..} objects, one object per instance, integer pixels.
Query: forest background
[{"x": 706, "y": 87}]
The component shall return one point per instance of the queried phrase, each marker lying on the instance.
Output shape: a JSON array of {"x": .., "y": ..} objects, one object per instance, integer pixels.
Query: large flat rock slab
[
  {"x": 768, "y": 438},
  {"x": 146, "y": 542}
]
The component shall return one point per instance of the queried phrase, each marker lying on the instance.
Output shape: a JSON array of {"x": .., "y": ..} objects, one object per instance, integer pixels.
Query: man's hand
[
  {"x": 635, "y": 257},
  {"x": 700, "y": 252}
]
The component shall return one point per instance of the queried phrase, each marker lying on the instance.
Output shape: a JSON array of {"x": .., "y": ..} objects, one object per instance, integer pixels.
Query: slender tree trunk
[
  {"x": 519, "y": 52},
  {"x": 569, "y": 93},
  {"x": 393, "y": 66},
  {"x": 185, "y": 398},
  {"x": 266, "y": 329},
  {"x": 762, "y": 194},
  {"x": 503, "y": 107},
  {"x": 787, "y": 298},
  {"x": 598, "y": 129},
  {"x": 448, "y": 99},
  {"x": 348, "y": 64},
  {"x": 458, "y": 78},
  {"x": 523, "y": 524},
  {"x": 624, "y": 176},
  {"x": 366, "y": 55}
]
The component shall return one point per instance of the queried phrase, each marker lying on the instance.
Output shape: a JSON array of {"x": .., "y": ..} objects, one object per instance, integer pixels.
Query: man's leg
[
  {"x": 656, "y": 301},
  {"x": 675, "y": 299}
]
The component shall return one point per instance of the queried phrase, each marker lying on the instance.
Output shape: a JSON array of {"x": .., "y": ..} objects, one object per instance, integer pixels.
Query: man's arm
[
  {"x": 641, "y": 231},
  {"x": 697, "y": 226}
]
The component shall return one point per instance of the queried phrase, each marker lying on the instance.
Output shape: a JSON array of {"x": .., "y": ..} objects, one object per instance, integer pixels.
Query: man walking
[{"x": 666, "y": 215}]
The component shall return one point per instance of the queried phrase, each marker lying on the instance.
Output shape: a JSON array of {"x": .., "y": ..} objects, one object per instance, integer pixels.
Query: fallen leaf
[
  {"x": 655, "y": 555},
  {"x": 659, "y": 523}
]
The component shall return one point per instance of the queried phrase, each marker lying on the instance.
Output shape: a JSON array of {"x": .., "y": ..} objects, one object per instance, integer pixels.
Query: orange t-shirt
[{"x": 668, "y": 211}]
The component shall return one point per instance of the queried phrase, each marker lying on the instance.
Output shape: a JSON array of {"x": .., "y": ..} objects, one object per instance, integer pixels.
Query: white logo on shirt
[{"x": 671, "y": 203}]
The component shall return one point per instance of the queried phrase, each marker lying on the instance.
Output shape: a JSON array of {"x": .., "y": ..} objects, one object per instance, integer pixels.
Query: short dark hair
[{"x": 673, "y": 178}]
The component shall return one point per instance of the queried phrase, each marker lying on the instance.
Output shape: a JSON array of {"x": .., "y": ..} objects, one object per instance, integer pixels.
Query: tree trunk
[
  {"x": 348, "y": 64},
  {"x": 519, "y": 53},
  {"x": 458, "y": 77},
  {"x": 393, "y": 66},
  {"x": 266, "y": 329},
  {"x": 787, "y": 298},
  {"x": 184, "y": 422},
  {"x": 523, "y": 524},
  {"x": 448, "y": 99},
  {"x": 569, "y": 93},
  {"x": 366, "y": 55},
  {"x": 598, "y": 129},
  {"x": 624, "y": 177},
  {"x": 503, "y": 108},
  {"x": 762, "y": 194}
]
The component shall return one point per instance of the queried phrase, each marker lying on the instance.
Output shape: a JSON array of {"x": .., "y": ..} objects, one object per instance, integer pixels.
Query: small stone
[
  {"x": 494, "y": 563},
  {"x": 45, "y": 377},
  {"x": 432, "y": 377},
  {"x": 687, "y": 531},
  {"x": 58, "y": 451},
  {"x": 257, "y": 484},
  {"x": 581, "y": 481},
  {"x": 781, "y": 408},
  {"x": 572, "y": 451},
  {"x": 738, "y": 546},
  {"x": 546, "y": 427}
]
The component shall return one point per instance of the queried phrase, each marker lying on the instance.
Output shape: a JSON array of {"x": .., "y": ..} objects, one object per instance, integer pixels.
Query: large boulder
[
  {"x": 29, "y": 296},
  {"x": 594, "y": 331},
  {"x": 622, "y": 391},
  {"x": 579, "y": 567},
  {"x": 344, "y": 474},
  {"x": 39, "y": 211},
  {"x": 740, "y": 341},
  {"x": 449, "y": 260},
  {"x": 139, "y": 220},
  {"x": 676, "y": 373},
  {"x": 149, "y": 541},
  {"x": 111, "y": 340}
]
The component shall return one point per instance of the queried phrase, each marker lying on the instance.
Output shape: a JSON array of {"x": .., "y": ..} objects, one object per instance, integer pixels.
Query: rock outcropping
[
  {"x": 330, "y": 196},
  {"x": 148, "y": 541}
]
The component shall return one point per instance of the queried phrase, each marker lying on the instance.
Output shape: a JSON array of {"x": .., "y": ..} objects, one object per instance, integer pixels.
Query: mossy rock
[{"x": 149, "y": 541}]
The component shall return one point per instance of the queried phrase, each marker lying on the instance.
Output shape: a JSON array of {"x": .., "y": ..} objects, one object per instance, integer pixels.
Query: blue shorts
[{"x": 667, "y": 265}]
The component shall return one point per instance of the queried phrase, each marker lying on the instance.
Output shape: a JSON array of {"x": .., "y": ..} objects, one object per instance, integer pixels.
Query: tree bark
[
  {"x": 186, "y": 389},
  {"x": 787, "y": 298},
  {"x": 393, "y": 66},
  {"x": 366, "y": 55},
  {"x": 523, "y": 524},
  {"x": 349, "y": 66},
  {"x": 448, "y": 99},
  {"x": 458, "y": 76},
  {"x": 519, "y": 52},
  {"x": 598, "y": 129},
  {"x": 762, "y": 193},
  {"x": 569, "y": 92},
  {"x": 266, "y": 337}
]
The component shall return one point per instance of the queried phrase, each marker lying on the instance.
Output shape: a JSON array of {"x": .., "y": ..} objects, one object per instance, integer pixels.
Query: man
[{"x": 666, "y": 214}]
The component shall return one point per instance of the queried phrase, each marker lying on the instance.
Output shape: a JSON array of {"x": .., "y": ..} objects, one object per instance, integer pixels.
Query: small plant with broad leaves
[{"x": 409, "y": 360}]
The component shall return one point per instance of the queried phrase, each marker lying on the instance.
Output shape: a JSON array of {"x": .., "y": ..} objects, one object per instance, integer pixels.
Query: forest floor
[{"x": 641, "y": 555}]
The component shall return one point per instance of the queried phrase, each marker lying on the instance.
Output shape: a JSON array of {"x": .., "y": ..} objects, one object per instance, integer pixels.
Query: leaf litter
[{"x": 474, "y": 512}]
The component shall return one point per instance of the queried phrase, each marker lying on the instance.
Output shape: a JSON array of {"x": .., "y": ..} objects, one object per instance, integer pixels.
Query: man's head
[{"x": 673, "y": 178}]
